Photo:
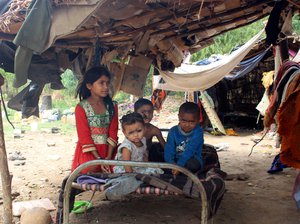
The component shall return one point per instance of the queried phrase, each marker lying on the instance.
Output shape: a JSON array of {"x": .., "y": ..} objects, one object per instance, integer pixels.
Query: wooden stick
[
  {"x": 294, "y": 3},
  {"x": 219, "y": 25},
  {"x": 5, "y": 178}
]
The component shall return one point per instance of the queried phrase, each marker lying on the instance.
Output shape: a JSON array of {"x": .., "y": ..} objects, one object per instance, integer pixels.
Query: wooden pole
[
  {"x": 5, "y": 175},
  {"x": 284, "y": 49}
]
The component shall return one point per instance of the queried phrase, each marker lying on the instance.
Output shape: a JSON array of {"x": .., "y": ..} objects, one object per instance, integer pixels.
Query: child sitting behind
[
  {"x": 185, "y": 140},
  {"x": 134, "y": 147},
  {"x": 145, "y": 108}
]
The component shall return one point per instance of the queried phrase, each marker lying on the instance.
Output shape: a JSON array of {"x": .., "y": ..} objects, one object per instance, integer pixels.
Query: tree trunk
[{"x": 5, "y": 178}]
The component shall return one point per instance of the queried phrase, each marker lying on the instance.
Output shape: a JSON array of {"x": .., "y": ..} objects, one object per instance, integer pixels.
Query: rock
[
  {"x": 51, "y": 144},
  {"x": 44, "y": 179},
  {"x": 243, "y": 177},
  {"x": 16, "y": 156},
  {"x": 35, "y": 215},
  {"x": 17, "y": 133},
  {"x": 19, "y": 163},
  {"x": 32, "y": 186},
  {"x": 55, "y": 130},
  {"x": 237, "y": 176},
  {"x": 15, "y": 194}
]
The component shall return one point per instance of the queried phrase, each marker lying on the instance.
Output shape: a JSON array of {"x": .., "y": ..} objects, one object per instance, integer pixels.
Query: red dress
[{"x": 95, "y": 132}]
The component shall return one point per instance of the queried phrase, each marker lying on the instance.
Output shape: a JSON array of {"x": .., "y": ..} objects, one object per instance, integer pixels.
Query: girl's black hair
[
  {"x": 131, "y": 118},
  {"x": 91, "y": 76}
]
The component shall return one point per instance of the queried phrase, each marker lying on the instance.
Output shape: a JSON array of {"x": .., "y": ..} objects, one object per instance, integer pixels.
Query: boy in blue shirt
[{"x": 185, "y": 140}]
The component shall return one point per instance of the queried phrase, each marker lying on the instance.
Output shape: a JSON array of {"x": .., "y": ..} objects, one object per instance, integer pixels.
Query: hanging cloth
[{"x": 194, "y": 78}]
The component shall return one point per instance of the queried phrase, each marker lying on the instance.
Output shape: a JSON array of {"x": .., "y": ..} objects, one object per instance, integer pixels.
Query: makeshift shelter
[
  {"x": 60, "y": 34},
  {"x": 143, "y": 32}
]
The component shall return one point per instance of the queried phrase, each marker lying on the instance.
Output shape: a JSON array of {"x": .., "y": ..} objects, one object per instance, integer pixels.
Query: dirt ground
[{"x": 262, "y": 198}]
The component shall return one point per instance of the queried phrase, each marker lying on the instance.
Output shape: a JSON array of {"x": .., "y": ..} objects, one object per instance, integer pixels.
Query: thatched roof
[
  {"x": 76, "y": 33},
  {"x": 189, "y": 24},
  {"x": 161, "y": 30}
]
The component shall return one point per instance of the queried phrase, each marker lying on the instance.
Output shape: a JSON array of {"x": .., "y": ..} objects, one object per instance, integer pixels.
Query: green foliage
[
  {"x": 8, "y": 90},
  {"x": 65, "y": 103},
  {"x": 66, "y": 97},
  {"x": 224, "y": 43},
  {"x": 122, "y": 97},
  {"x": 65, "y": 128},
  {"x": 70, "y": 83},
  {"x": 296, "y": 24}
]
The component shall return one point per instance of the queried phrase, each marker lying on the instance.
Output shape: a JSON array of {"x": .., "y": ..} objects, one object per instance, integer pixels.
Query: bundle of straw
[{"x": 15, "y": 13}]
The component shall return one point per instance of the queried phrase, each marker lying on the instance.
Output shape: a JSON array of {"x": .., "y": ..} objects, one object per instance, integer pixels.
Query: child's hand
[
  {"x": 105, "y": 169},
  {"x": 108, "y": 157},
  {"x": 175, "y": 172}
]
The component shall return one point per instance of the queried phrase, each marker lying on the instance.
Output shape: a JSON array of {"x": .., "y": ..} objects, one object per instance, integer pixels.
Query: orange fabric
[
  {"x": 274, "y": 104},
  {"x": 158, "y": 97},
  {"x": 85, "y": 138},
  {"x": 289, "y": 125}
]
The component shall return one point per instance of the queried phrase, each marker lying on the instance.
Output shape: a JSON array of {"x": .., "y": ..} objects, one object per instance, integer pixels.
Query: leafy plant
[{"x": 224, "y": 43}]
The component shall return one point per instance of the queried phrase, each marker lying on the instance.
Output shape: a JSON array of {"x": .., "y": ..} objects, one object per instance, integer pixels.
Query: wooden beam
[
  {"x": 284, "y": 49},
  {"x": 184, "y": 12},
  {"x": 205, "y": 20},
  {"x": 128, "y": 35},
  {"x": 215, "y": 26},
  {"x": 294, "y": 3},
  {"x": 5, "y": 178}
]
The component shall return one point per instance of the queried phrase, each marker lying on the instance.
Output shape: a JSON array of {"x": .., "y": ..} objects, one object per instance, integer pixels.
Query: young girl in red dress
[{"x": 96, "y": 120}]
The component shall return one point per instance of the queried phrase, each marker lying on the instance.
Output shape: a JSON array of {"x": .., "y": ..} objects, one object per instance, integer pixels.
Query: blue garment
[{"x": 181, "y": 146}]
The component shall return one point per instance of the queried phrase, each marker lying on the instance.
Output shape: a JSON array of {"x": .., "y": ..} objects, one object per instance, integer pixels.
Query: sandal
[
  {"x": 81, "y": 207},
  {"x": 277, "y": 165}
]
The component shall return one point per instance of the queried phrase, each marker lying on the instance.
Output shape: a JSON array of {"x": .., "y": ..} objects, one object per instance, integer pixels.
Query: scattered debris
[
  {"x": 231, "y": 132},
  {"x": 15, "y": 194},
  {"x": 19, "y": 163},
  {"x": 16, "y": 156},
  {"x": 50, "y": 144},
  {"x": 55, "y": 130},
  {"x": 237, "y": 176},
  {"x": 222, "y": 147},
  {"x": 44, "y": 179},
  {"x": 17, "y": 133}
]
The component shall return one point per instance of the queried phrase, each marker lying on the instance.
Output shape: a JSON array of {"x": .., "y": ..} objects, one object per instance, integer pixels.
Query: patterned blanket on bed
[{"x": 212, "y": 178}]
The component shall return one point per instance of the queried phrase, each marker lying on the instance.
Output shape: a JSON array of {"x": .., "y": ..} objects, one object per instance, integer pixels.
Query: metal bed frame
[{"x": 76, "y": 173}]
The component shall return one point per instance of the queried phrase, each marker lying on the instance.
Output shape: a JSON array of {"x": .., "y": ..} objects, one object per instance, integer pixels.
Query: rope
[
  {"x": 6, "y": 115},
  {"x": 258, "y": 141},
  {"x": 200, "y": 9}
]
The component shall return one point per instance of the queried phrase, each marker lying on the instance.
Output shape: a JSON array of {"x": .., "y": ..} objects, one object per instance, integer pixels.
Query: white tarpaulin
[{"x": 195, "y": 77}]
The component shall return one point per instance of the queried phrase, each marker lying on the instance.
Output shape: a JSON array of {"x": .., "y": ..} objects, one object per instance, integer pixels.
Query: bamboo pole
[{"x": 5, "y": 177}]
